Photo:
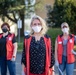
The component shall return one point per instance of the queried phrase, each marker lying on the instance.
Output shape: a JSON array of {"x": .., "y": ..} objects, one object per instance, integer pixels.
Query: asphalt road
[{"x": 18, "y": 66}]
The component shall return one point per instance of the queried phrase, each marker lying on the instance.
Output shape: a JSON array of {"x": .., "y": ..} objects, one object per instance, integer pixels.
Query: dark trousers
[
  {"x": 3, "y": 65},
  {"x": 7, "y": 63}
]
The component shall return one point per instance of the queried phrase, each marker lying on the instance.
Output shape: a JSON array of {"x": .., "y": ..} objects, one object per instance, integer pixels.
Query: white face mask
[
  {"x": 65, "y": 30},
  {"x": 37, "y": 29}
]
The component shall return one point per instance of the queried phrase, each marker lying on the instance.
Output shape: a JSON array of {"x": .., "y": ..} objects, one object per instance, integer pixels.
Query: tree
[
  {"x": 15, "y": 7},
  {"x": 63, "y": 11}
]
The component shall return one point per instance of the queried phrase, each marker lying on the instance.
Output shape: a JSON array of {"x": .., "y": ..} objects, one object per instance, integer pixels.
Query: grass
[
  {"x": 53, "y": 32},
  {"x": 20, "y": 45}
]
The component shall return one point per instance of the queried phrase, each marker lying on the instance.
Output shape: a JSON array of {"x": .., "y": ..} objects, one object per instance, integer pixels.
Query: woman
[
  {"x": 37, "y": 55},
  {"x": 64, "y": 53},
  {"x": 8, "y": 49}
]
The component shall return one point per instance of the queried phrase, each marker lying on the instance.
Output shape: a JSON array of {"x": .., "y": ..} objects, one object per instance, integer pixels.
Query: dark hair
[{"x": 5, "y": 24}]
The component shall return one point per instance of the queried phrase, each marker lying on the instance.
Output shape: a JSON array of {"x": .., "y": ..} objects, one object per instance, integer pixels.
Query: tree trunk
[{"x": 22, "y": 29}]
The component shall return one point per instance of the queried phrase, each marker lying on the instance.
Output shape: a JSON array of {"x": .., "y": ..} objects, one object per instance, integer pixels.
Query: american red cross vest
[
  {"x": 70, "y": 47},
  {"x": 48, "y": 58},
  {"x": 9, "y": 45}
]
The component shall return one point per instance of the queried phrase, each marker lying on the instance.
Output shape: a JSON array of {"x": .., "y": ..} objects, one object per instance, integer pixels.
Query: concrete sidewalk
[{"x": 56, "y": 70}]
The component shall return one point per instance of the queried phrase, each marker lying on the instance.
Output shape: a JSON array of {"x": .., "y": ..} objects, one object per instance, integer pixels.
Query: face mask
[
  {"x": 37, "y": 29},
  {"x": 65, "y": 30},
  {"x": 5, "y": 30}
]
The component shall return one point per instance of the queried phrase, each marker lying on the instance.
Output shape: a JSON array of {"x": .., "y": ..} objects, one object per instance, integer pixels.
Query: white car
[{"x": 26, "y": 32}]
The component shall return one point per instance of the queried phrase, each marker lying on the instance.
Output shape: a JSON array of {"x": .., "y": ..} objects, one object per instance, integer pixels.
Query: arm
[
  {"x": 75, "y": 39},
  {"x": 56, "y": 57},
  {"x": 74, "y": 43},
  {"x": 56, "y": 46},
  {"x": 23, "y": 60},
  {"x": 52, "y": 62},
  {"x": 51, "y": 70},
  {"x": 52, "y": 56},
  {"x": 15, "y": 49},
  {"x": 23, "y": 70}
]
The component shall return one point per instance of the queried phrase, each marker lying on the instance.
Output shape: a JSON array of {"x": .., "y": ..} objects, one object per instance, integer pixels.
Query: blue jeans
[
  {"x": 11, "y": 67},
  {"x": 3, "y": 65},
  {"x": 65, "y": 66}
]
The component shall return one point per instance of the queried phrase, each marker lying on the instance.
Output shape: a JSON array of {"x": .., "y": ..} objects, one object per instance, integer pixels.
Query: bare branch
[{"x": 14, "y": 20}]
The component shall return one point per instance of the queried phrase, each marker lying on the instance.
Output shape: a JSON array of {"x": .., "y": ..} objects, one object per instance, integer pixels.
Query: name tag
[
  {"x": 60, "y": 42},
  {"x": 70, "y": 40},
  {"x": 10, "y": 38}
]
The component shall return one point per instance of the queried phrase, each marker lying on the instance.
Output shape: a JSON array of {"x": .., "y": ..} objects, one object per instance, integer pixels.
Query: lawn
[
  {"x": 20, "y": 45},
  {"x": 54, "y": 32}
]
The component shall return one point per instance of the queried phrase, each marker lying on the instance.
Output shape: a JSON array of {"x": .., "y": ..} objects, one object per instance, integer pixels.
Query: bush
[
  {"x": 20, "y": 46},
  {"x": 63, "y": 11},
  {"x": 53, "y": 33}
]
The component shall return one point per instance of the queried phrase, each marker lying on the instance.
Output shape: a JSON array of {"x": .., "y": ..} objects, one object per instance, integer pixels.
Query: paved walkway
[
  {"x": 18, "y": 66},
  {"x": 56, "y": 71}
]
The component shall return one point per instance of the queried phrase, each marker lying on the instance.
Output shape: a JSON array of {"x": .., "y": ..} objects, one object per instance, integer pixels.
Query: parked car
[{"x": 27, "y": 32}]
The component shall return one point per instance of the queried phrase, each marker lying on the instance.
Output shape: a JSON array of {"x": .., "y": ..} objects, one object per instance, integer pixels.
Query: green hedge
[
  {"x": 20, "y": 46},
  {"x": 52, "y": 32}
]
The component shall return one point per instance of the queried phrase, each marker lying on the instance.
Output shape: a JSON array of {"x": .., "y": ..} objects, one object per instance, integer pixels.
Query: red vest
[
  {"x": 48, "y": 58},
  {"x": 70, "y": 47},
  {"x": 9, "y": 45}
]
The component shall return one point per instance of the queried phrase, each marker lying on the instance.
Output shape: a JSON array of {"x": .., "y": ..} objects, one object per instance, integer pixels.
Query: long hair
[
  {"x": 43, "y": 23},
  {"x": 64, "y": 24}
]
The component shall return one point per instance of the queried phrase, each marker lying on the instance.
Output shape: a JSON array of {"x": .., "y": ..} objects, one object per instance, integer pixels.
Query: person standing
[
  {"x": 8, "y": 50},
  {"x": 64, "y": 50},
  {"x": 37, "y": 55}
]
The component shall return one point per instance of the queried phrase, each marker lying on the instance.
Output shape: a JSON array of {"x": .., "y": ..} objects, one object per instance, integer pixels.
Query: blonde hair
[
  {"x": 64, "y": 24},
  {"x": 43, "y": 23}
]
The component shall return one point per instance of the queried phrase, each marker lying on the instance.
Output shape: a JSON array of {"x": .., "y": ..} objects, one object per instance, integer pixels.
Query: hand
[
  {"x": 13, "y": 59},
  {"x": 23, "y": 69},
  {"x": 49, "y": 73},
  {"x": 73, "y": 52},
  {"x": 56, "y": 63}
]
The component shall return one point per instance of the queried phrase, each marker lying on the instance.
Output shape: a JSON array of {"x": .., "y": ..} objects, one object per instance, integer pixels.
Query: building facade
[{"x": 42, "y": 11}]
